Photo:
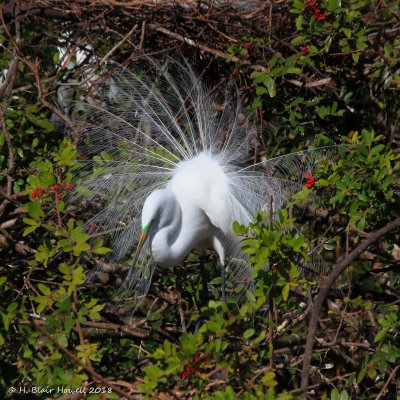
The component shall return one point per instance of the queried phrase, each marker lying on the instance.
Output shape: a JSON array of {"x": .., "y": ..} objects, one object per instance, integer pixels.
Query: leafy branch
[{"x": 326, "y": 284}]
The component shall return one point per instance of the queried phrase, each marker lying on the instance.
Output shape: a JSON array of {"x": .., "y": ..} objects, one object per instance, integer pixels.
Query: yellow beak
[{"x": 142, "y": 241}]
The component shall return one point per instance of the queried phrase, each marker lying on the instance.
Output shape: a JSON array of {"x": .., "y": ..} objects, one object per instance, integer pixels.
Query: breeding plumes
[{"x": 168, "y": 173}]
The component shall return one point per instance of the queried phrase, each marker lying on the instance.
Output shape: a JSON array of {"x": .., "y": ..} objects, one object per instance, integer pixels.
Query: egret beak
[{"x": 142, "y": 240}]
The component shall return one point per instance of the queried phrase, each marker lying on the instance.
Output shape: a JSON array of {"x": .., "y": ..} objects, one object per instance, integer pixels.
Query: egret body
[
  {"x": 165, "y": 167},
  {"x": 189, "y": 214}
]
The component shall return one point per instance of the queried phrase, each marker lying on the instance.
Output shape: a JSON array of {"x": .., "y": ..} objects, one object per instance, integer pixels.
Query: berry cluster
[
  {"x": 58, "y": 190},
  {"x": 196, "y": 366},
  {"x": 315, "y": 12},
  {"x": 38, "y": 192},
  {"x": 310, "y": 180}
]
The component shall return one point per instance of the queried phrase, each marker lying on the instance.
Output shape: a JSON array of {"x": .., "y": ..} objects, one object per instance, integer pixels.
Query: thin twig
[
  {"x": 391, "y": 376},
  {"x": 42, "y": 95},
  {"x": 78, "y": 326},
  {"x": 320, "y": 82},
  {"x": 119, "y": 44},
  {"x": 205, "y": 48}
]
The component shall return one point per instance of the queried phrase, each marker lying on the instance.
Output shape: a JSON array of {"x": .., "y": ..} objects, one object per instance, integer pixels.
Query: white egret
[{"x": 163, "y": 164}]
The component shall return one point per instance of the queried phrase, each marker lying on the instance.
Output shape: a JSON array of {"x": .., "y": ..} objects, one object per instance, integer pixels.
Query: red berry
[
  {"x": 310, "y": 184},
  {"x": 38, "y": 192},
  {"x": 305, "y": 50}
]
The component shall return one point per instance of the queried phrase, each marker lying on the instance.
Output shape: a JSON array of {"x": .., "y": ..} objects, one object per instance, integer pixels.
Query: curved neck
[{"x": 169, "y": 245}]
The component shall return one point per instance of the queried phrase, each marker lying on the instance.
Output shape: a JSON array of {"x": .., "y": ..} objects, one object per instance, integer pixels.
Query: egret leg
[
  {"x": 204, "y": 288},
  {"x": 223, "y": 294},
  {"x": 219, "y": 248}
]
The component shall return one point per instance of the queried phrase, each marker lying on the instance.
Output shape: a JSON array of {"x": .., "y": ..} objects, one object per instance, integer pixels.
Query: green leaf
[
  {"x": 293, "y": 70},
  {"x": 62, "y": 339},
  {"x": 285, "y": 292},
  {"x": 335, "y": 394},
  {"x": 69, "y": 324},
  {"x": 30, "y": 221},
  {"x": 357, "y": 5},
  {"x": 34, "y": 209},
  {"x": 361, "y": 375},
  {"x": 270, "y": 84},
  {"x": 102, "y": 250},
  {"x": 80, "y": 247},
  {"x": 298, "y": 40},
  {"x": 367, "y": 137},
  {"x": 333, "y": 4},
  {"x": 44, "y": 289},
  {"x": 344, "y": 395},
  {"x": 299, "y": 22},
  {"x": 379, "y": 336},
  {"x": 29, "y": 230},
  {"x": 347, "y": 32},
  {"x": 355, "y": 56},
  {"x": 238, "y": 228},
  {"x": 249, "y": 333},
  {"x": 56, "y": 57},
  {"x": 31, "y": 114},
  {"x": 78, "y": 236},
  {"x": 258, "y": 76},
  {"x": 12, "y": 307},
  {"x": 363, "y": 197},
  {"x": 377, "y": 149},
  {"x": 260, "y": 90}
]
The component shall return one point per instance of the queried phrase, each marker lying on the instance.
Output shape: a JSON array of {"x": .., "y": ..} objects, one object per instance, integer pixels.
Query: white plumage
[
  {"x": 189, "y": 213},
  {"x": 159, "y": 159}
]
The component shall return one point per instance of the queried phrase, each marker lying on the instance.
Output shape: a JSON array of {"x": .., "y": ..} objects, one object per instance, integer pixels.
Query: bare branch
[
  {"x": 5, "y": 93},
  {"x": 203, "y": 47},
  {"x": 20, "y": 248}
]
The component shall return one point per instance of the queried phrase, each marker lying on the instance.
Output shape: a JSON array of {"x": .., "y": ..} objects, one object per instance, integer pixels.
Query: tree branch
[
  {"x": 5, "y": 93},
  {"x": 324, "y": 288},
  {"x": 19, "y": 247},
  {"x": 215, "y": 52}
]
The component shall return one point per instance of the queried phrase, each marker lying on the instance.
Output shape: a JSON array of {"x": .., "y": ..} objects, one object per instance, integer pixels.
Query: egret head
[{"x": 159, "y": 210}]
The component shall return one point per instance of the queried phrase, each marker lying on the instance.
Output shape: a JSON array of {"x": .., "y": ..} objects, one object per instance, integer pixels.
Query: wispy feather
[{"x": 136, "y": 141}]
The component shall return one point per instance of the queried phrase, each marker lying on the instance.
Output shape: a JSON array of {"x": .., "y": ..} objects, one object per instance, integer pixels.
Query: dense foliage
[{"x": 311, "y": 73}]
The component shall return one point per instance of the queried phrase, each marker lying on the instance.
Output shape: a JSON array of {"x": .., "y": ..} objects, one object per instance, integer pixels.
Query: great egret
[{"x": 168, "y": 169}]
